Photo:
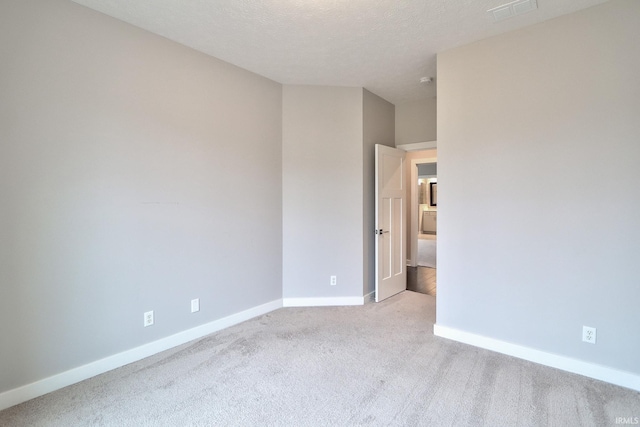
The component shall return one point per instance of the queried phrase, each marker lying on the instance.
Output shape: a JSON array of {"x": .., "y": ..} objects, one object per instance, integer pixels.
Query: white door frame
[{"x": 413, "y": 226}]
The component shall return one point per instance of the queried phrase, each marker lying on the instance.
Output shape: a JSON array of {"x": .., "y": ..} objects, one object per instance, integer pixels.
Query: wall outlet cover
[
  {"x": 148, "y": 318},
  {"x": 589, "y": 334}
]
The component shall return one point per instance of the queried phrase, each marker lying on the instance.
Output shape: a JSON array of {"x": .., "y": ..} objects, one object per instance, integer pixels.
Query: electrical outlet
[
  {"x": 334, "y": 280},
  {"x": 148, "y": 318},
  {"x": 589, "y": 334},
  {"x": 195, "y": 305}
]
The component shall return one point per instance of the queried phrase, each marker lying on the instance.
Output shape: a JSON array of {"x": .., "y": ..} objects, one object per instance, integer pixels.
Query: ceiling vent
[{"x": 512, "y": 9}]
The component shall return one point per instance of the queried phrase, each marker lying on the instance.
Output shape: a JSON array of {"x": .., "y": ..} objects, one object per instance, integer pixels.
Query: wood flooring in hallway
[{"x": 421, "y": 279}]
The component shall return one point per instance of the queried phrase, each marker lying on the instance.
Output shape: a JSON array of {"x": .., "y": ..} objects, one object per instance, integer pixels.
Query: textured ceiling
[{"x": 385, "y": 46}]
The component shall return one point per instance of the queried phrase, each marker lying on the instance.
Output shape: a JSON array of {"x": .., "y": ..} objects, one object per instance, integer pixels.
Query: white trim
[
  {"x": 413, "y": 226},
  {"x": 370, "y": 297},
  {"x": 322, "y": 302},
  {"x": 417, "y": 146},
  {"x": 591, "y": 370},
  {"x": 30, "y": 391}
]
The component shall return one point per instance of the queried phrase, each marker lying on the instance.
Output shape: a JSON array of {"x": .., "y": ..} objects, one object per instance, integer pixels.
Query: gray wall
[
  {"x": 416, "y": 121},
  {"x": 322, "y": 179},
  {"x": 378, "y": 128},
  {"x": 520, "y": 258},
  {"x": 124, "y": 187}
]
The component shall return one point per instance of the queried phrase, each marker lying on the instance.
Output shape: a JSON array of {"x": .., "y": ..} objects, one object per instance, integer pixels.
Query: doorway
[{"x": 421, "y": 270}]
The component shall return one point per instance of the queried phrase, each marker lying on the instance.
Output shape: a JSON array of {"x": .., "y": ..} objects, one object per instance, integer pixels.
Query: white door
[{"x": 391, "y": 188}]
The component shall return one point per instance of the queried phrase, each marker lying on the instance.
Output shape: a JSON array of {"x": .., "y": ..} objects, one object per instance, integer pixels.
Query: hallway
[{"x": 421, "y": 279}]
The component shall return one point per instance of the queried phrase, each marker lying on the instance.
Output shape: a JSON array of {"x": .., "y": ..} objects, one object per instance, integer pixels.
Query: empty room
[{"x": 212, "y": 212}]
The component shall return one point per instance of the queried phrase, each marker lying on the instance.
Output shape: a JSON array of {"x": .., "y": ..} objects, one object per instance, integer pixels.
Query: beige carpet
[{"x": 375, "y": 365}]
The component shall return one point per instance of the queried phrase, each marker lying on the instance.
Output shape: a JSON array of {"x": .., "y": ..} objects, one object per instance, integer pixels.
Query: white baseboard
[
  {"x": 22, "y": 394},
  {"x": 322, "y": 302},
  {"x": 591, "y": 370}
]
